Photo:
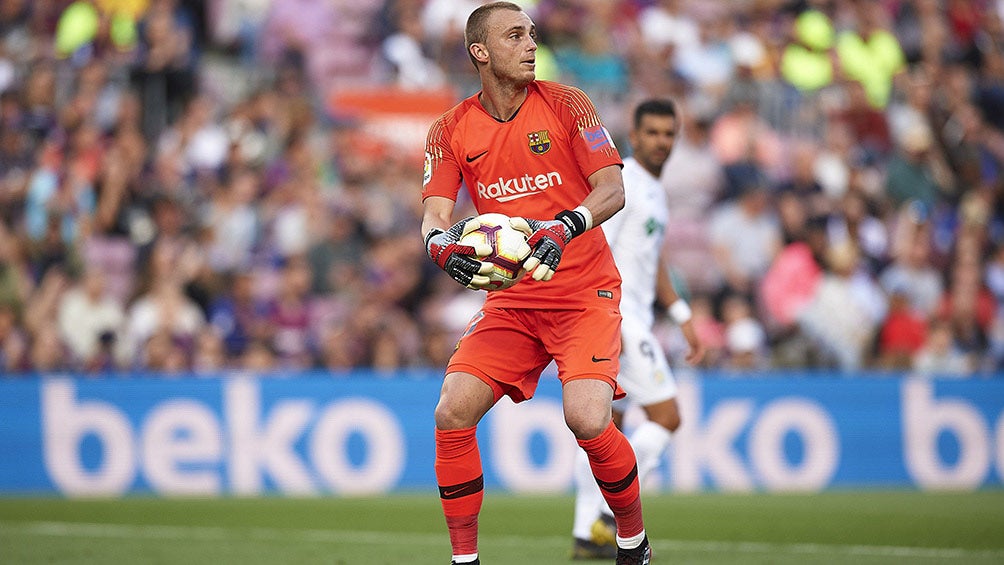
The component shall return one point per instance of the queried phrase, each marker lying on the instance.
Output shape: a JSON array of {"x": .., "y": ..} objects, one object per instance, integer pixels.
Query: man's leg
[
  {"x": 592, "y": 538},
  {"x": 651, "y": 438},
  {"x": 586, "y": 404},
  {"x": 463, "y": 401},
  {"x": 588, "y": 498},
  {"x": 593, "y": 529}
]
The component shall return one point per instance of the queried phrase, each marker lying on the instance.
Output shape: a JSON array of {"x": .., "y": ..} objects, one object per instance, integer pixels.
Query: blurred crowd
[{"x": 179, "y": 193}]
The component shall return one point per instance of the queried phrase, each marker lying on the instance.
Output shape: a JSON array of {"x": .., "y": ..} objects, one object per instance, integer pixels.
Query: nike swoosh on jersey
[
  {"x": 516, "y": 196},
  {"x": 598, "y": 359},
  {"x": 476, "y": 157}
]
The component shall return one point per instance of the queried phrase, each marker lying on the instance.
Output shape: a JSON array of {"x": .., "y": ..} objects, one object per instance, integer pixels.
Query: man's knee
[
  {"x": 587, "y": 407},
  {"x": 672, "y": 422},
  {"x": 448, "y": 416},
  {"x": 463, "y": 401},
  {"x": 666, "y": 414},
  {"x": 587, "y": 426}
]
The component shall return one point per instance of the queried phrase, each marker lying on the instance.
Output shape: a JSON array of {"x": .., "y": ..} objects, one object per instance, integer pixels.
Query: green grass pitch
[{"x": 843, "y": 527}]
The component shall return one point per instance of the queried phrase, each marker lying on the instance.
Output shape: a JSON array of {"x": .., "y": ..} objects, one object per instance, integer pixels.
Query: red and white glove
[
  {"x": 459, "y": 261},
  {"x": 547, "y": 240}
]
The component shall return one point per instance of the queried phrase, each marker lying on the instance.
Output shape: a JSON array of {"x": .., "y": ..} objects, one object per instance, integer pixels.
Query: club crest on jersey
[{"x": 540, "y": 142}]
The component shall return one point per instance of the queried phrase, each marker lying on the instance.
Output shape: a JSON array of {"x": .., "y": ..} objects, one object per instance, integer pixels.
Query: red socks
[
  {"x": 461, "y": 482},
  {"x": 461, "y": 486},
  {"x": 616, "y": 471}
]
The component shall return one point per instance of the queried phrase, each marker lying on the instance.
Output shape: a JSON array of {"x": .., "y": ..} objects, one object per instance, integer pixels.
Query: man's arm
[
  {"x": 607, "y": 197},
  {"x": 437, "y": 214},
  {"x": 679, "y": 312}
]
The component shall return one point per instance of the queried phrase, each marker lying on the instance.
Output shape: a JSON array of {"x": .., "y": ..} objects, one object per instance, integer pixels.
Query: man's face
[
  {"x": 652, "y": 141},
  {"x": 511, "y": 46}
]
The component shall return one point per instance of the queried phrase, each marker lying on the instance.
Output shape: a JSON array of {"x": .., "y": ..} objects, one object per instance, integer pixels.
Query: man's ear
[{"x": 479, "y": 52}]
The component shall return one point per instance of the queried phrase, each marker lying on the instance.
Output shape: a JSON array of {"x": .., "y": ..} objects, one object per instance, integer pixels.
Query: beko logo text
[
  {"x": 187, "y": 447},
  {"x": 504, "y": 189}
]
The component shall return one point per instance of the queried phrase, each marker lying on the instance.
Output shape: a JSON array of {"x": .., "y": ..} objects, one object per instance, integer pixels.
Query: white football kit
[{"x": 635, "y": 235}]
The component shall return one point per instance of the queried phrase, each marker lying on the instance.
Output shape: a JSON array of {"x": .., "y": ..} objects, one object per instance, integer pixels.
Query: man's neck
[{"x": 502, "y": 100}]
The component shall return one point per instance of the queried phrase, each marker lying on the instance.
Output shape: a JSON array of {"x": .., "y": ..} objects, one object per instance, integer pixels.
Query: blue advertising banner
[{"x": 366, "y": 433}]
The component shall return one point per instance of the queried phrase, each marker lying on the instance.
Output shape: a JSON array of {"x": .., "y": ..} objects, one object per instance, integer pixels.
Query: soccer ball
[{"x": 505, "y": 246}]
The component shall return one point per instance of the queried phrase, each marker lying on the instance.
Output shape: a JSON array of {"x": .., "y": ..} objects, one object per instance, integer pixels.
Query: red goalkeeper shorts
[{"x": 508, "y": 348}]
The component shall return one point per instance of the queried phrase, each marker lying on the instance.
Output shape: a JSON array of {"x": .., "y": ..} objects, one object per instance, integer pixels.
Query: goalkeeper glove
[
  {"x": 548, "y": 238},
  {"x": 459, "y": 261}
]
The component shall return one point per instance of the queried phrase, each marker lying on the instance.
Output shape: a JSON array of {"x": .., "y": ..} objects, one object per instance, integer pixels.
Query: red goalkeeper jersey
[{"x": 534, "y": 165}]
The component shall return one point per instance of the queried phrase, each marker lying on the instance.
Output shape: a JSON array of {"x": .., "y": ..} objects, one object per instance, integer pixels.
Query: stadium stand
[{"x": 183, "y": 186}]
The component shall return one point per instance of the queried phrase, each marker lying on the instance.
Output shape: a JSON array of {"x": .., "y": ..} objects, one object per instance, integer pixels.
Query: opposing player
[
  {"x": 532, "y": 150},
  {"x": 635, "y": 235}
]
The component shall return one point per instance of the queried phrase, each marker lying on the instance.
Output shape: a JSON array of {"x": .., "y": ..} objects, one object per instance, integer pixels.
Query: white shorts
[{"x": 645, "y": 374}]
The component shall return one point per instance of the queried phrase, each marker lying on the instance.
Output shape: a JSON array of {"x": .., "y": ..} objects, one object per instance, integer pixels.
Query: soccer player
[
  {"x": 635, "y": 235},
  {"x": 532, "y": 150}
]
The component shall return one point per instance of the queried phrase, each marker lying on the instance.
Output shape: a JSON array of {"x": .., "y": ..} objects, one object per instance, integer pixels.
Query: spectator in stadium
[
  {"x": 745, "y": 237},
  {"x": 593, "y": 62},
  {"x": 941, "y": 356},
  {"x": 115, "y": 182},
  {"x": 868, "y": 125},
  {"x": 289, "y": 316},
  {"x": 693, "y": 180},
  {"x": 258, "y": 357},
  {"x": 854, "y": 222},
  {"x": 869, "y": 53},
  {"x": 90, "y": 319},
  {"x": 163, "y": 305},
  {"x": 163, "y": 73},
  {"x": 47, "y": 353},
  {"x": 912, "y": 271},
  {"x": 967, "y": 303},
  {"x": 403, "y": 51},
  {"x": 165, "y": 353},
  {"x": 230, "y": 222},
  {"x": 336, "y": 253},
  {"x": 806, "y": 61},
  {"x": 15, "y": 272},
  {"x": 902, "y": 334},
  {"x": 740, "y": 136},
  {"x": 210, "y": 354},
  {"x": 340, "y": 349},
  {"x": 39, "y": 103},
  {"x": 196, "y": 140},
  {"x": 972, "y": 150},
  {"x": 60, "y": 199},
  {"x": 793, "y": 218},
  {"x": 13, "y": 342},
  {"x": 635, "y": 235},
  {"x": 801, "y": 181},
  {"x": 846, "y": 310},
  {"x": 993, "y": 277},
  {"x": 745, "y": 337},
  {"x": 918, "y": 171},
  {"x": 236, "y": 315},
  {"x": 514, "y": 127},
  {"x": 914, "y": 106}
]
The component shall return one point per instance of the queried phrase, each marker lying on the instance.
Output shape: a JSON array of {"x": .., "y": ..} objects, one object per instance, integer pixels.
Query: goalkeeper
[{"x": 537, "y": 152}]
